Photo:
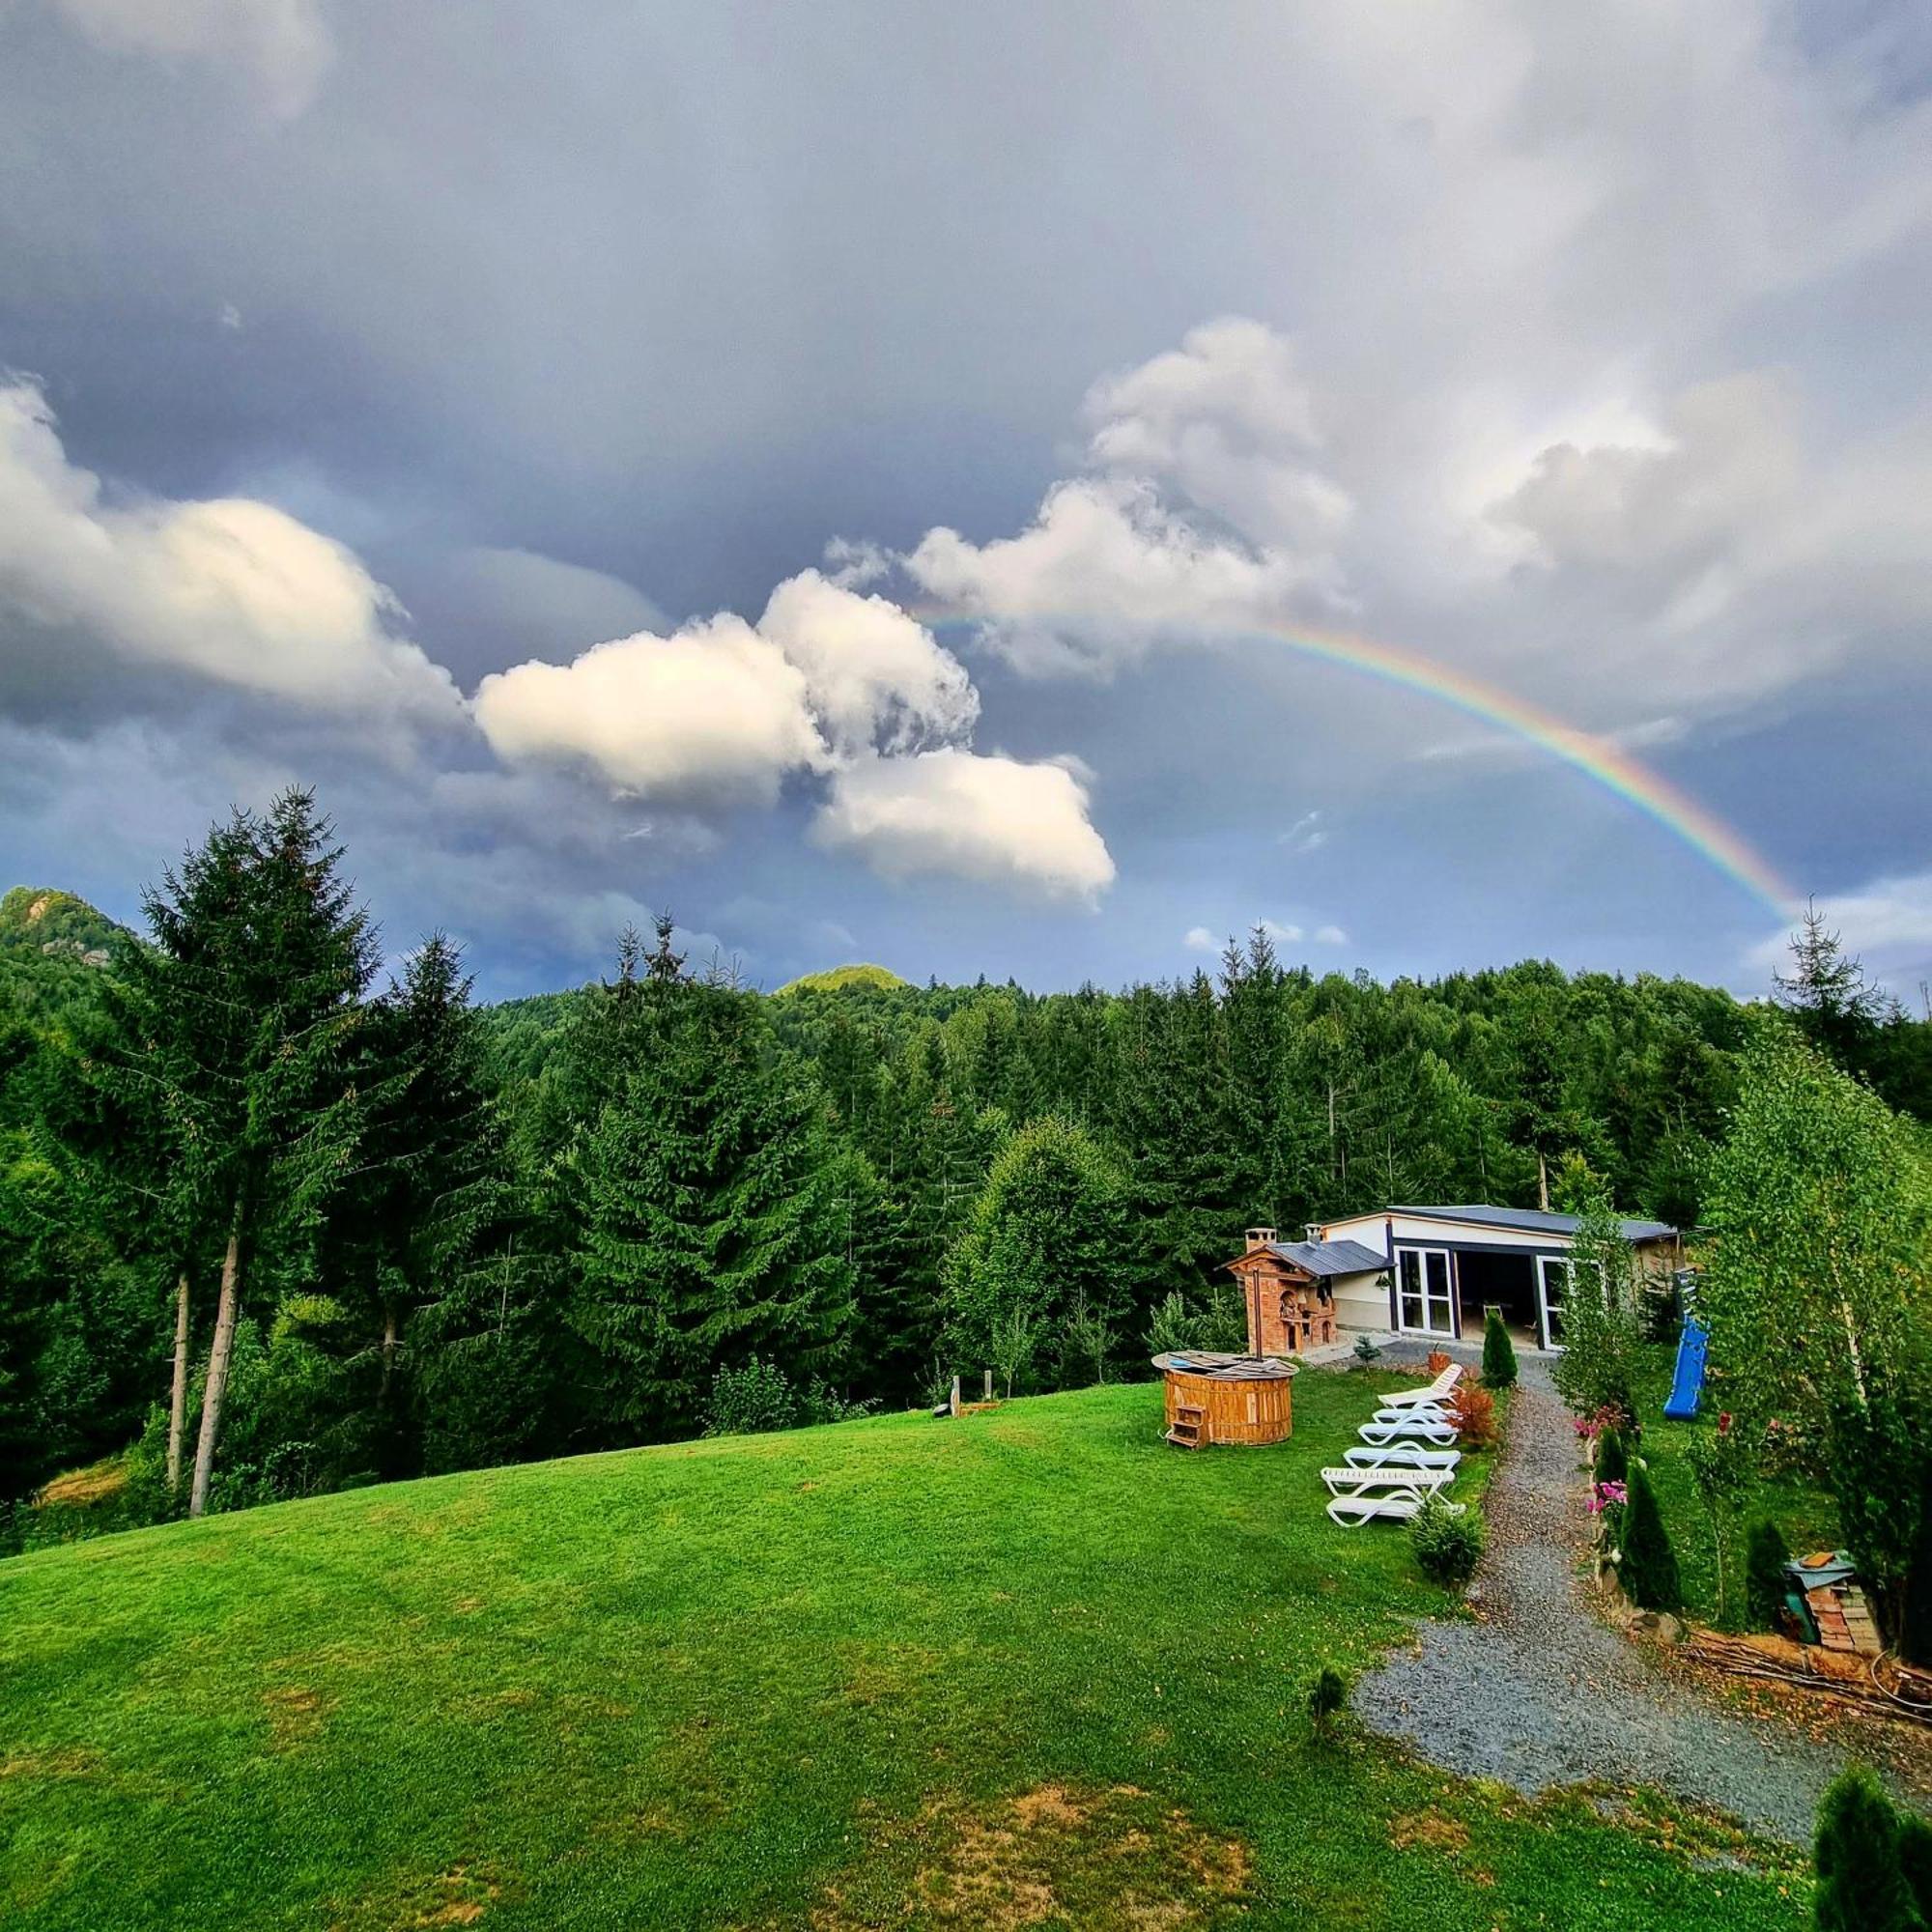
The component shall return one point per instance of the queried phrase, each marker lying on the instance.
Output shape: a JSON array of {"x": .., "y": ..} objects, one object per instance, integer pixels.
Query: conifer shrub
[
  {"x": 751, "y": 1401},
  {"x": 1862, "y": 1879},
  {"x": 1612, "y": 1458},
  {"x": 1915, "y": 1858},
  {"x": 1498, "y": 1350},
  {"x": 1327, "y": 1700},
  {"x": 1448, "y": 1542},
  {"x": 1648, "y": 1567},
  {"x": 1766, "y": 1553}
]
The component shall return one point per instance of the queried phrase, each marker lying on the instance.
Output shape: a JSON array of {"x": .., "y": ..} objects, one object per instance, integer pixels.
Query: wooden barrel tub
[{"x": 1213, "y": 1398}]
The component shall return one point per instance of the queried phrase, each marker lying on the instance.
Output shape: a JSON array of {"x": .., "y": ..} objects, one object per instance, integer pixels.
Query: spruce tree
[
  {"x": 243, "y": 1017},
  {"x": 1861, "y": 1882},
  {"x": 1766, "y": 1553},
  {"x": 1612, "y": 1458},
  {"x": 711, "y": 1226},
  {"x": 1498, "y": 1350},
  {"x": 426, "y": 1184},
  {"x": 1648, "y": 1569}
]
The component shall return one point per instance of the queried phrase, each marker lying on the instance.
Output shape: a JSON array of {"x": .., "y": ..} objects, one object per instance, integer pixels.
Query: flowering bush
[
  {"x": 1472, "y": 1408},
  {"x": 1609, "y": 1496}
]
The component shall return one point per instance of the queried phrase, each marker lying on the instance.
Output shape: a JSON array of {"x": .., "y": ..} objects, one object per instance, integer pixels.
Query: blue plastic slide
[{"x": 1688, "y": 1384}]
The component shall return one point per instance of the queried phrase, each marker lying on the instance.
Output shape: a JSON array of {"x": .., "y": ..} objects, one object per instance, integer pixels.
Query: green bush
[
  {"x": 1766, "y": 1553},
  {"x": 1176, "y": 1325},
  {"x": 1915, "y": 1859},
  {"x": 1861, "y": 1881},
  {"x": 750, "y": 1401},
  {"x": 1648, "y": 1569},
  {"x": 822, "y": 1402},
  {"x": 1498, "y": 1350},
  {"x": 1612, "y": 1458},
  {"x": 1327, "y": 1699},
  {"x": 1448, "y": 1542}
]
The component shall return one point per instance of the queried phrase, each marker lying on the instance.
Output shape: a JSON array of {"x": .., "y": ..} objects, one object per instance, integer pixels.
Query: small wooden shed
[{"x": 1213, "y": 1398}]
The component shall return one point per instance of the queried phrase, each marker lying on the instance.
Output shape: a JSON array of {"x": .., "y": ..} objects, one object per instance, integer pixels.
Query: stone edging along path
[{"x": 1538, "y": 1693}]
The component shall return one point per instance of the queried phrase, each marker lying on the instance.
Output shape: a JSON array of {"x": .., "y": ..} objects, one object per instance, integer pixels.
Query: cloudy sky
[{"x": 899, "y": 481}]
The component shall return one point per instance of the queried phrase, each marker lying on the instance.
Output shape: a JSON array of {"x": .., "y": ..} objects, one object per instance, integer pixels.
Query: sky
[{"x": 1015, "y": 490}]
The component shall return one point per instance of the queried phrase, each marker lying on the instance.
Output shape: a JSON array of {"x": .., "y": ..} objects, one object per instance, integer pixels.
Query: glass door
[
  {"x": 1423, "y": 1299},
  {"x": 1552, "y": 1286}
]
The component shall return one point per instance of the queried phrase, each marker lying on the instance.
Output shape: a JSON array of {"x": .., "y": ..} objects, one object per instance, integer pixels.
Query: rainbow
[{"x": 1618, "y": 773}]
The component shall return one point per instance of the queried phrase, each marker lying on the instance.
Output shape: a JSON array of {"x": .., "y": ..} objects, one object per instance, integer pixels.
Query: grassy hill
[
  {"x": 1027, "y": 1667},
  {"x": 845, "y": 979}
]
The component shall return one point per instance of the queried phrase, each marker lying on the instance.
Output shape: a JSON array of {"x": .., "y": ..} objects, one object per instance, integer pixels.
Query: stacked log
[{"x": 1881, "y": 1685}]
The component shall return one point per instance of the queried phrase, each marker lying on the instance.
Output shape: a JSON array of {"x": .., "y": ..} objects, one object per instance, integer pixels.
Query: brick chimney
[{"x": 1259, "y": 1237}]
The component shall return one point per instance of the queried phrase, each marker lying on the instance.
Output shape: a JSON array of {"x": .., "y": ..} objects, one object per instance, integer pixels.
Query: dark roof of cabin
[
  {"x": 1532, "y": 1221},
  {"x": 1322, "y": 1258}
]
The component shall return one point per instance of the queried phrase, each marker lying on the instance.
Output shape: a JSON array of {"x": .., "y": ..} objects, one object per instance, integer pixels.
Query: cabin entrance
[{"x": 1507, "y": 1279}]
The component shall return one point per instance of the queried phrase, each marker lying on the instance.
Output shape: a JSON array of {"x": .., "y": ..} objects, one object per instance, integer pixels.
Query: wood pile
[{"x": 1878, "y": 1683}]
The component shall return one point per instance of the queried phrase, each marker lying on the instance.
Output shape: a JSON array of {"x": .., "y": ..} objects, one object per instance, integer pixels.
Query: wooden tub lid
[{"x": 1226, "y": 1368}]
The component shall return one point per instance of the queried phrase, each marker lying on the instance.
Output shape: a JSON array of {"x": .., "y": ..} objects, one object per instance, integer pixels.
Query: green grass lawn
[
  {"x": 1805, "y": 1515},
  {"x": 1028, "y": 1668}
]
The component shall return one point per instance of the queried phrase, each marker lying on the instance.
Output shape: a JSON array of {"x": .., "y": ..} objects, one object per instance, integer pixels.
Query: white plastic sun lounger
[
  {"x": 1355, "y": 1482},
  {"x": 1422, "y": 1411},
  {"x": 1396, "y": 1506},
  {"x": 1434, "y": 1396},
  {"x": 1400, "y": 1456},
  {"x": 1409, "y": 1429}
]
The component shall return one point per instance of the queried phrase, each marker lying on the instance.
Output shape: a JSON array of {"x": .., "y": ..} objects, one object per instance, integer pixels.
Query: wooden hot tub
[{"x": 1215, "y": 1398}]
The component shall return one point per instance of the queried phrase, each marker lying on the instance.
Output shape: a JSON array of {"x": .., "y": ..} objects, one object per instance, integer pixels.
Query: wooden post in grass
[{"x": 955, "y": 1395}]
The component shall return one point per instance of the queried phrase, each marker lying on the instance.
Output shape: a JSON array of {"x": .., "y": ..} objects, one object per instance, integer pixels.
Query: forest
[{"x": 269, "y": 1228}]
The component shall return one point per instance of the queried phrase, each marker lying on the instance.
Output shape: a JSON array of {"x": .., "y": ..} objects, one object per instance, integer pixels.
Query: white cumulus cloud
[
  {"x": 982, "y": 818},
  {"x": 1203, "y": 509},
  {"x": 875, "y": 675},
  {"x": 713, "y": 712},
  {"x": 231, "y": 589},
  {"x": 831, "y": 683}
]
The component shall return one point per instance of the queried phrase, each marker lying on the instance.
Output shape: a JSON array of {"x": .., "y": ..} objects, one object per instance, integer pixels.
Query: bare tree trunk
[
  {"x": 1541, "y": 1181},
  {"x": 219, "y": 1355},
  {"x": 178, "y": 1400},
  {"x": 388, "y": 1349}
]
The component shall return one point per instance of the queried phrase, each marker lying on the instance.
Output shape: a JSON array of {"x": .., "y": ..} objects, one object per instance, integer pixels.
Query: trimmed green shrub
[
  {"x": 1498, "y": 1350},
  {"x": 750, "y": 1401},
  {"x": 1448, "y": 1542},
  {"x": 1327, "y": 1699},
  {"x": 1648, "y": 1569},
  {"x": 1861, "y": 1882},
  {"x": 1612, "y": 1458},
  {"x": 1766, "y": 1553},
  {"x": 1915, "y": 1859}
]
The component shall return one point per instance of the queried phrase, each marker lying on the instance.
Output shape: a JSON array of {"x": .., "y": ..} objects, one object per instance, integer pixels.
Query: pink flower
[{"x": 1607, "y": 1495}]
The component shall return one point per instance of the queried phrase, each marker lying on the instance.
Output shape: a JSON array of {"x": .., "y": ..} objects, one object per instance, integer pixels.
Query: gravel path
[{"x": 1539, "y": 1693}]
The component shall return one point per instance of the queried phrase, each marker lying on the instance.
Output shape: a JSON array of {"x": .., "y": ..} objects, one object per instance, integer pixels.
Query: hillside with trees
[{"x": 269, "y": 1228}]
